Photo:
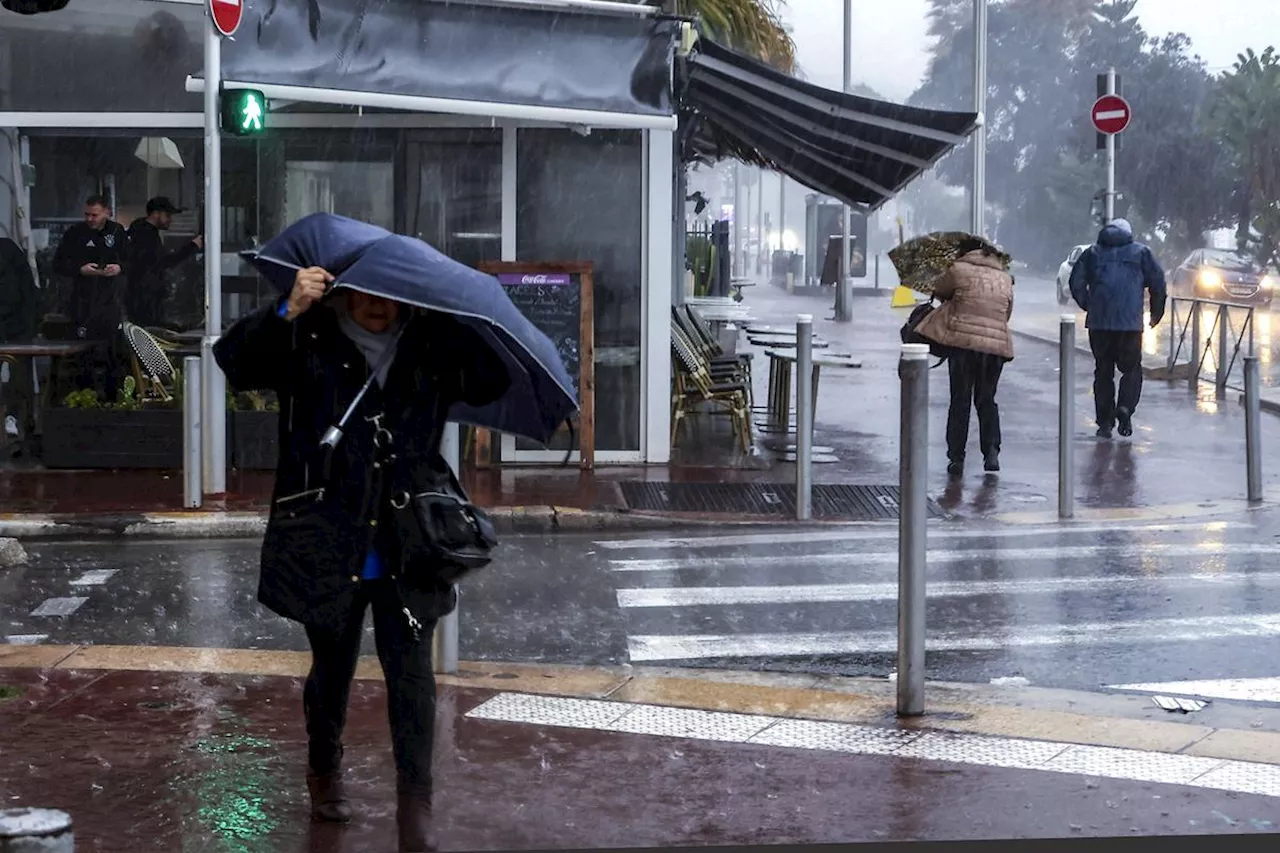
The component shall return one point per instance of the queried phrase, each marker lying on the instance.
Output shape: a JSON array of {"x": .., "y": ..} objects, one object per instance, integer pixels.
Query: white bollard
[
  {"x": 192, "y": 434},
  {"x": 444, "y": 643},
  {"x": 804, "y": 417}
]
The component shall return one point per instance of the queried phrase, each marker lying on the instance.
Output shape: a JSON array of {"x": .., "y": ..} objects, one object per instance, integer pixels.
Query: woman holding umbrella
[
  {"x": 334, "y": 545},
  {"x": 972, "y": 326}
]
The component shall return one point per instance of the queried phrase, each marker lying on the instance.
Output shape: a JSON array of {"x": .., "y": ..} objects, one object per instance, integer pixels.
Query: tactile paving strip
[{"x": 925, "y": 745}]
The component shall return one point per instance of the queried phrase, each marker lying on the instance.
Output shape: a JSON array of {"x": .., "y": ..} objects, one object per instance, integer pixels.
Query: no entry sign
[
  {"x": 226, "y": 15},
  {"x": 1111, "y": 114}
]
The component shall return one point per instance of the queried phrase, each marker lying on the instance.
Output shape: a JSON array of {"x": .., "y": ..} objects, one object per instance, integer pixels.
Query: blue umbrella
[{"x": 373, "y": 260}]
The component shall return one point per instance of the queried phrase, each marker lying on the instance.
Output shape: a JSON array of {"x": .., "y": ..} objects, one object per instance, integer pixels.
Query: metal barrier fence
[{"x": 1228, "y": 333}]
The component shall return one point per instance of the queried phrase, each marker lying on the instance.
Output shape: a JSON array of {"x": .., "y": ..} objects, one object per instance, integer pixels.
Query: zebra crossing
[{"x": 1088, "y": 605}]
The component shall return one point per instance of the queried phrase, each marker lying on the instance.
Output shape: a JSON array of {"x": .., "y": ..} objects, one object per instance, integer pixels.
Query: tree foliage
[
  {"x": 1043, "y": 169},
  {"x": 753, "y": 27},
  {"x": 1247, "y": 114}
]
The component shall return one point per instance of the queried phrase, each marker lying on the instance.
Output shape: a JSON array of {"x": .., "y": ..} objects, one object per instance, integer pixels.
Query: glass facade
[
  {"x": 580, "y": 198},
  {"x": 102, "y": 56}
]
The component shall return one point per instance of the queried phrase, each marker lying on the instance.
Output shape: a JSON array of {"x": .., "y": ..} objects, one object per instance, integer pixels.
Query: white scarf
[{"x": 378, "y": 348}]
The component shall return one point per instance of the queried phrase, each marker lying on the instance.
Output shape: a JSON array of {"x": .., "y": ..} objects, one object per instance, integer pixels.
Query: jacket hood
[{"x": 1114, "y": 235}]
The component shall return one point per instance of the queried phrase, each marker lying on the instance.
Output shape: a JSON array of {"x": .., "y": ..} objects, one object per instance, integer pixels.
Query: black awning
[
  {"x": 859, "y": 150},
  {"x": 576, "y": 61}
]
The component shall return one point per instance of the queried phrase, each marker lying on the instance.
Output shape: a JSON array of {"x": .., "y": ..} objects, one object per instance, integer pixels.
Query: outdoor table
[
  {"x": 781, "y": 342},
  {"x": 12, "y": 353},
  {"x": 779, "y": 405}
]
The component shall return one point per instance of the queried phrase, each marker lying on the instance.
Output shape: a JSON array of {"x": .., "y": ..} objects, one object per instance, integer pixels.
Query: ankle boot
[
  {"x": 328, "y": 797},
  {"x": 413, "y": 820}
]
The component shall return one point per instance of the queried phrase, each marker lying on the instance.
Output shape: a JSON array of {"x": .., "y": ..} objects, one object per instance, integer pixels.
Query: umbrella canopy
[
  {"x": 922, "y": 261},
  {"x": 370, "y": 259}
]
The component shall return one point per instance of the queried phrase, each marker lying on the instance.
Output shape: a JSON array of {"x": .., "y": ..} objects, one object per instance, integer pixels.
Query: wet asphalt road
[{"x": 1081, "y": 608}]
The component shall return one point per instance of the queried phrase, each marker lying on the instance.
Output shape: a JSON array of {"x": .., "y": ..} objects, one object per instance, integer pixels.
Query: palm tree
[
  {"x": 1247, "y": 114},
  {"x": 753, "y": 27}
]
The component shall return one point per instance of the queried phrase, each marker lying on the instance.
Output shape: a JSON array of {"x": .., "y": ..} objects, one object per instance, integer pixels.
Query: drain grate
[{"x": 856, "y": 503}]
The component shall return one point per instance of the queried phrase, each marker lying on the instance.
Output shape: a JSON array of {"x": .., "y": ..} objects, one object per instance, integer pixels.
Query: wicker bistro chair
[
  {"x": 699, "y": 330},
  {"x": 151, "y": 365},
  {"x": 694, "y": 384}
]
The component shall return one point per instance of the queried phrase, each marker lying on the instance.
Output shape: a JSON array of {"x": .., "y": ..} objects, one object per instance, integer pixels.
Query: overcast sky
[{"x": 890, "y": 39}]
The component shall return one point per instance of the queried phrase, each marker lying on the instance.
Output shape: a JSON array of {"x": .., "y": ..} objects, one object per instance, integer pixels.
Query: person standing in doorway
[
  {"x": 145, "y": 296},
  {"x": 972, "y": 324},
  {"x": 1107, "y": 283},
  {"x": 94, "y": 255}
]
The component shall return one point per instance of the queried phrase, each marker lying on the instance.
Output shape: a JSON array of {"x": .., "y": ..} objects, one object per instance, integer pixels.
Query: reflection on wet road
[{"x": 1080, "y": 607}]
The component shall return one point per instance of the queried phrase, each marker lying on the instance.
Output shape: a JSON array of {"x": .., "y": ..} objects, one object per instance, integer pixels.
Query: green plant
[
  {"x": 85, "y": 398},
  {"x": 127, "y": 396}
]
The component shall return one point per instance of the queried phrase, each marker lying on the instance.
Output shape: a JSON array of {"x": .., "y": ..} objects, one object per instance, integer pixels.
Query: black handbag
[
  {"x": 911, "y": 336},
  {"x": 452, "y": 537}
]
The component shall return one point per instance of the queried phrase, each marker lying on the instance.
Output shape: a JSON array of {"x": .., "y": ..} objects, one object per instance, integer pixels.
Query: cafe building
[{"x": 499, "y": 130}]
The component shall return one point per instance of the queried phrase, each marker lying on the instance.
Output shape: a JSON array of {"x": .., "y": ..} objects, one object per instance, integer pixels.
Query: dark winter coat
[
  {"x": 321, "y": 527},
  {"x": 96, "y": 302},
  {"x": 19, "y": 298},
  {"x": 1109, "y": 279},
  {"x": 144, "y": 300}
]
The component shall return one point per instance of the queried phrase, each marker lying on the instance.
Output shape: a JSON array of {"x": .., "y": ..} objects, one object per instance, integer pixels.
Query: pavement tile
[{"x": 148, "y": 761}]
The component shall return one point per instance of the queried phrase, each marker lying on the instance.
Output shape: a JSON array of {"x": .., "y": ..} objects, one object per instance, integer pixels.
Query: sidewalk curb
[
  {"x": 213, "y": 524},
  {"x": 1124, "y": 720}
]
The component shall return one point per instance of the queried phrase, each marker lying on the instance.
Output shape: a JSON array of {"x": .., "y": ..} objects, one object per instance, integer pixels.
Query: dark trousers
[
  {"x": 411, "y": 687},
  {"x": 1112, "y": 351},
  {"x": 974, "y": 378}
]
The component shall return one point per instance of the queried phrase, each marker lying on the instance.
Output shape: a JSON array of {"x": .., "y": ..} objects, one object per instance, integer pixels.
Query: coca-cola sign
[{"x": 534, "y": 279}]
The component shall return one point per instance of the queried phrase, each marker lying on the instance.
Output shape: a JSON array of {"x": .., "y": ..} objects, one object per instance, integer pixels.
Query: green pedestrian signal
[{"x": 244, "y": 112}]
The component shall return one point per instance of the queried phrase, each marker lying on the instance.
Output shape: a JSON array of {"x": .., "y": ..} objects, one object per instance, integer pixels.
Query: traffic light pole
[
  {"x": 214, "y": 385},
  {"x": 1111, "y": 155}
]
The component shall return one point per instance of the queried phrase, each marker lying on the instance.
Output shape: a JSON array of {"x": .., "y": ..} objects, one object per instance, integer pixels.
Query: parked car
[
  {"x": 1224, "y": 275},
  {"x": 1064, "y": 273}
]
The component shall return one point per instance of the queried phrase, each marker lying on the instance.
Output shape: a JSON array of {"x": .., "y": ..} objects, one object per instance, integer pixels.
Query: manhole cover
[{"x": 856, "y": 503}]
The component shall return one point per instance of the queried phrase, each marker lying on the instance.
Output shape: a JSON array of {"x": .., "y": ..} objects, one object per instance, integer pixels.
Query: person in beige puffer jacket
[{"x": 973, "y": 322}]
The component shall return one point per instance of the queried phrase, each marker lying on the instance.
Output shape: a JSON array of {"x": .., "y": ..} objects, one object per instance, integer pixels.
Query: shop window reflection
[{"x": 580, "y": 198}]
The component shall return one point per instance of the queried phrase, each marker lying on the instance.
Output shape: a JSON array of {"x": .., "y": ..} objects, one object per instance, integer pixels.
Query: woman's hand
[{"x": 309, "y": 286}]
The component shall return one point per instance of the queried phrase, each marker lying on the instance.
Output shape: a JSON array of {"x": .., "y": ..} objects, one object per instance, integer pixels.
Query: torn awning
[
  {"x": 859, "y": 150},
  {"x": 595, "y": 66}
]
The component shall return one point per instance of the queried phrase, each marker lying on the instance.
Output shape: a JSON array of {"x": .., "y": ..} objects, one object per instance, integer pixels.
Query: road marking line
[
  {"x": 703, "y": 646},
  {"x": 871, "y": 558},
  {"x": 25, "y": 639},
  {"x": 935, "y": 533},
  {"x": 1242, "y": 689},
  {"x": 696, "y": 596},
  {"x": 982, "y": 750},
  {"x": 59, "y": 606},
  {"x": 94, "y": 577}
]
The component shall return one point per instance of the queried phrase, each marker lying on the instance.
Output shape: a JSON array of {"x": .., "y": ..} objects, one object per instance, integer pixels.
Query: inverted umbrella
[
  {"x": 373, "y": 260},
  {"x": 922, "y": 261}
]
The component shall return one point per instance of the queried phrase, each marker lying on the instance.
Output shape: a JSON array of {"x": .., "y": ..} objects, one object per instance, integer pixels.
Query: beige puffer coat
[{"x": 977, "y": 299}]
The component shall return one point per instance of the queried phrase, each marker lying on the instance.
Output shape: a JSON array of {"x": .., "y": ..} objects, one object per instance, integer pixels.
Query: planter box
[
  {"x": 254, "y": 440},
  {"x": 104, "y": 438}
]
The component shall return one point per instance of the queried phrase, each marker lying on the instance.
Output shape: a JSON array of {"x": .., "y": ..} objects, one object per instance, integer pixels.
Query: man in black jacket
[
  {"x": 94, "y": 254},
  {"x": 148, "y": 262},
  {"x": 335, "y": 546}
]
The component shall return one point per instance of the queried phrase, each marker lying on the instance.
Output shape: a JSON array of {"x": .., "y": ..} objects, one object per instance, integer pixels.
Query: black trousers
[
  {"x": 1112, "y": 351},
  {"x": 974, "y": 378},
  {"x": 411, "y": 687}
]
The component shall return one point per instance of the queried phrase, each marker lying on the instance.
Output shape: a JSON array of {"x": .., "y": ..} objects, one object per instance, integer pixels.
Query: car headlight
[
  {"x": 1268, "y": 282},
  {"x": 1209, "y": 278}
]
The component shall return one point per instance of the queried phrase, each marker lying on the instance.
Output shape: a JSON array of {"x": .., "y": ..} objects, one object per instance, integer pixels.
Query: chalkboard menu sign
[{"x": 558, "y": 299}]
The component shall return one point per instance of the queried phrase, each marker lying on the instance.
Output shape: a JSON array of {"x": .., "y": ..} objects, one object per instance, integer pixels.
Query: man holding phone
[{"x": 94, "y": 255}]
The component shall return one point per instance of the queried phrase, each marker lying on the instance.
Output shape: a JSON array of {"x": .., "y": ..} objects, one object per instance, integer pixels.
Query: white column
[
  {"x": 215, "y": 384},
  {"x": 978, "y": 221},
  {"x": 661, "y": 212}
]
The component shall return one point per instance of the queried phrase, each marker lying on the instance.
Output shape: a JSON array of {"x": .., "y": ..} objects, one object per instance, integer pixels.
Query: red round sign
[
  {"x": 1111, "y": 114},
  {"x": 226, "y": 15}
]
